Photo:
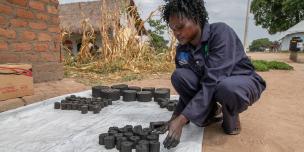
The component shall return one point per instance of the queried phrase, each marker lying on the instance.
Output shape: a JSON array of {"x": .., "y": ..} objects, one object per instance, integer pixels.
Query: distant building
[
  {"x": 71, "y": 15},
  {"x": 295, "y": 31}
]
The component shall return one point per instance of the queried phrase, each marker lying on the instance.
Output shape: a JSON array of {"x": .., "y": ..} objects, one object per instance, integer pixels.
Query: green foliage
[
  {"x": 279, "y": 65},
  {"x": 156, "y": 34},
  {"x": 260, "y": 44},
  {"x": 262, "y": 65},
  {"x": 277, "y": 15}
]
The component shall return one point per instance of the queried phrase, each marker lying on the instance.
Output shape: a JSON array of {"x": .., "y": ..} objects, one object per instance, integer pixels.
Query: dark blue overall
[{"x": 218, "y": 70}]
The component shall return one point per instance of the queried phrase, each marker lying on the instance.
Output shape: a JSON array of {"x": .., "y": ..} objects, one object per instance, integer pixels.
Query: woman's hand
[{"x": 175, "y": 128}]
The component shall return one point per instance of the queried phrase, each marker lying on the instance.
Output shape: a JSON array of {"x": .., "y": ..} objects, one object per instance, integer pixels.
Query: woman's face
[{"x": 184, "y": 29}]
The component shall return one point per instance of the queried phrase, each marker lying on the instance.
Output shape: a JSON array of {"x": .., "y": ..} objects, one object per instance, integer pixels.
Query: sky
[{"x": 231, "y": 12}]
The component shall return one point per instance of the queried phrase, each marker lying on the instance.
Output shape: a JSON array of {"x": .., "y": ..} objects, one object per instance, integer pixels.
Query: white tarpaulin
[{"x": 41, "y": 128}]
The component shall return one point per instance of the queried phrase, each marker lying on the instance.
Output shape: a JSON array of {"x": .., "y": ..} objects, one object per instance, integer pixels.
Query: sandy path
[{"x": 275, "y": 123}]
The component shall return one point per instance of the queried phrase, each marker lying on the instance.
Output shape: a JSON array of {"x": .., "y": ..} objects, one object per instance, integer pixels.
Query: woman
[{"x": 211, "y": 66}]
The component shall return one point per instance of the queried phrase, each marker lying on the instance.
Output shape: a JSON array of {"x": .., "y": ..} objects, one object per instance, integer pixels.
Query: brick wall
[{"x": 29, "y": 33}]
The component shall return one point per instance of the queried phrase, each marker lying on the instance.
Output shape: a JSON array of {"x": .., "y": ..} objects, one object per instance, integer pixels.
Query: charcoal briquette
[
  {"x": 119, "y": 140},
  {"x": 74, "y": 106},
  {"x": 154, "y": 146},
  {"x": 120, "y": 87},
  {"x": 68, "y": 106},
  {"x": 57, "y": 105},
  {"x": 151, "y": 89},
  {"x": 143, "y": 134},
  {"x": 96, "y": 90},
  {"x": 144, "y": 143},
  {"x": 129, "y": 95},
  {"x": 152, "y": 137},
  {"x": 128, "y": 134},
  {"x": 163, "y": 104},
  {"x": 112, "y": 132},
  {"x": 141, "y": 148},
  {"x": 90, "y": 108},
  {"x": 134, "y": 139},
  {"x": 165, "y": 89},
  {"x": 113, "y": 94},
  {"x": 110, "y": 102},
  {"x": 109, "y": 142},
  {"x": 114, "y": 128},
  {"x": 96, "y": 109},
  {"x": 160, "y": 100},
  {"x": 126, "y": 146},
  {"x": 160, "y": 94},
  {"x": 105, "y": 103},
  {"x": 122, "y": 130},
  {"x": 101, "y": 138},
  {"x": 147, "y": 130},
  {"x": 134, "y": 88},
  {"x": 129, "y": 128},
  {"x": 171, "y": 107},
  {"x": 144, "y": 96},
  {"x": 117, "y": 135},
  {"x": 84, "y": 109},
  {"x": 154, "y": 125},
  {"x": 137, "y": 129}
]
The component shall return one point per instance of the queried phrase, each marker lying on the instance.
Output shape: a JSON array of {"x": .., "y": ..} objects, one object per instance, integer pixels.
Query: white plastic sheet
[{"x": 41, "y": 128}]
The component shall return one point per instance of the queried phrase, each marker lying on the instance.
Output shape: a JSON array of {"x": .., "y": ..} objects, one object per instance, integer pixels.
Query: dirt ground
[{"x": 274, "y": 124}]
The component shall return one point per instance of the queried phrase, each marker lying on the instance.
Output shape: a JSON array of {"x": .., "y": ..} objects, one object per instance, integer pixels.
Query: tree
[
  {"x": 260, "y": 44},
  {"x": 277, "y": 15},
  {"x": 156, "y": 34}
]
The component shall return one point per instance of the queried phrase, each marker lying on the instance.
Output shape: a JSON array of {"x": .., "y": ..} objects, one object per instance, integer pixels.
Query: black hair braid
[{"x": 191, "y": 9}]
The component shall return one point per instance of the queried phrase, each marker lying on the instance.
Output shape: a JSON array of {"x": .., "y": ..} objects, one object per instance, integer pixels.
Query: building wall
[
  {"x": 29, "y": 33},
  {"x": 286, "y": 40}
]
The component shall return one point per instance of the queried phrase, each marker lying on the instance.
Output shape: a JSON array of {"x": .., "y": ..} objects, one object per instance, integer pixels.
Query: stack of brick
[{"x": 30, "y": 33}]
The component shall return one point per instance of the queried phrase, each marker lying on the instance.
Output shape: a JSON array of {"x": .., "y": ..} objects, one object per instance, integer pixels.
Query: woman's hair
[{"x": 191, "y": 9}]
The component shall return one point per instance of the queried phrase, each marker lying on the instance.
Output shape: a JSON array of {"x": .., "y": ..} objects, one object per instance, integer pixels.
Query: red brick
[
  {"x": 21, "y": 47},
  {"x": 29, "y": 58},
  {"x": 24, "y": 13},
  {"x": 37, "y": 5},
  {"x": 42, "y": 16},
  {"x": 57, "y": 38},
  {"x": 55, "y": 20},
  {"x": 56, "y": 47},
  {"x": 7, "y": 33},
  {"x": 38, "y": 25},
  {"x": 18, "y": 23},
  {"x": 5, "y": 9},
  {"x": 54, "y": 29},
  {"x": 8, "y": 58},
  {"x": 18, "y": 2},
  {"x": 28, "y": 35},
  {"x": 3, "y": 46},
  {"x": 41, "y": 47},
  {"x": 44, "y": 37},
  {"x": 2, "y": 20},
  {"x": 52, "y": 9},
  {"x": 47, "y": 56}
]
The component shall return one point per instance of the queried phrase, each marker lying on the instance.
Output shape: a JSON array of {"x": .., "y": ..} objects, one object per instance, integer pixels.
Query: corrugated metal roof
[{"x": 298, "y": 28}]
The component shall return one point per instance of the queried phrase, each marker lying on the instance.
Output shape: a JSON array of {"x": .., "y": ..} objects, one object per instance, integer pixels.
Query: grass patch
[{"x": 262, "y": 65}]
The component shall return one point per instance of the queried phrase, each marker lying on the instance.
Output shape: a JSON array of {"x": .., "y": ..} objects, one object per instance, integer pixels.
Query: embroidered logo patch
[{"x": 183, "y": 58}]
